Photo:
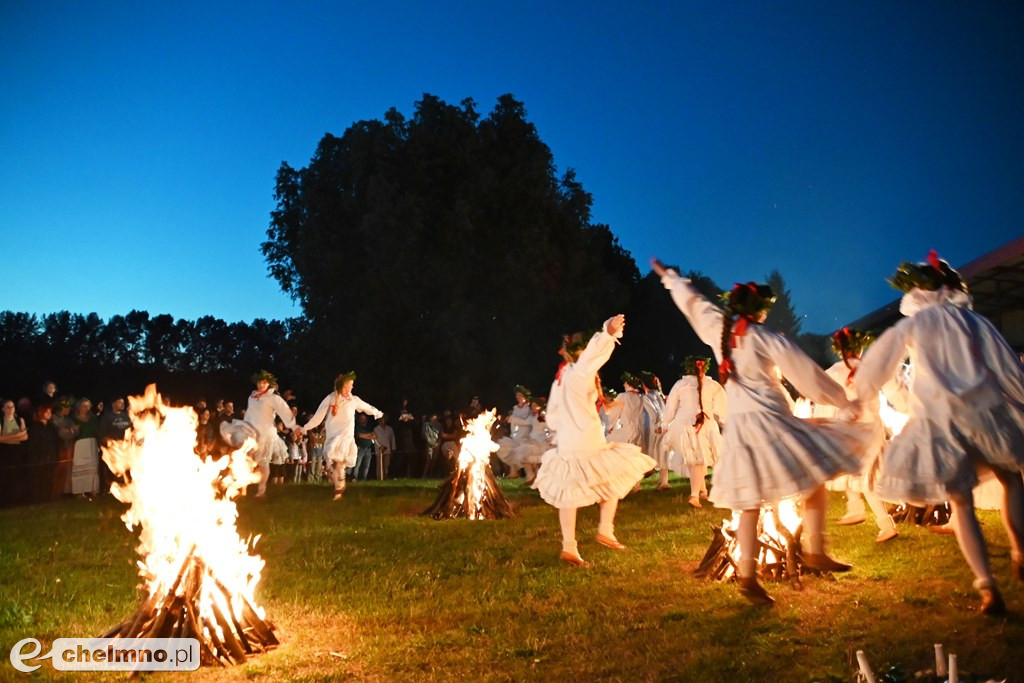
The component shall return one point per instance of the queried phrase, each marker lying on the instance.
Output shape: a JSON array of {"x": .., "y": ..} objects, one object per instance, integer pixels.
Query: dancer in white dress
[
  {"x": 339, "y": 410},
  {"x": 654, "y": 413},
  {"x": 263, "y": 405},
  {"x": 627, "y": 413},
  {"x": 530, "y": 452},
  {"x": 849, "y": 344},
  {"x": 694, "y": 415},
  {"x": 767, "y": 453},
  {"x": 584, "y": 468},
  {"x": 966, "y": 412},
  {"x": 518, "y": 421}
]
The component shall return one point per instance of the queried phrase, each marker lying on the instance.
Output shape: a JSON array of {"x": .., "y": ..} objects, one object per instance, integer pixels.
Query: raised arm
[
  {"x": 704, "y": 317},
  {"x": 599, "y": 348}
]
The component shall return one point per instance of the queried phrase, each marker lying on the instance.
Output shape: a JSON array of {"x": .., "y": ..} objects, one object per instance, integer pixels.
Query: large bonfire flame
[
  {"x": 199, "y": 575},
  {"x": 779, "y": 553},
  {"x": 472, "y": 492}
]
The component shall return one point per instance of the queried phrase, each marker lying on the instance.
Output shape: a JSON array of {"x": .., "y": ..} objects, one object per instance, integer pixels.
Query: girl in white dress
[
  {"x": 519, "y": 430},
  {"x": 627, "y": 413},
  {"x": 849, "y": 344},
  {"x": 338, "y": 412},
  {"x": 584, "y": 468},
  {"x": 966, "y": 412},
  {"x": 767, "y": 453},
  {"x": 531, "y": 451},
  {"x": 694, "y": 414},
  {"x": 654, "y": 413}
]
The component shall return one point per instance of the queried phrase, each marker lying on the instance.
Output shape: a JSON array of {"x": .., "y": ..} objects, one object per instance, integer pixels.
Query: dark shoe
[
  {"x": 852, "y": 518},
  {"x": 754, "y": 592},
  {"x": 824, "y": 563},
  {"x": 991, "y": 602}
]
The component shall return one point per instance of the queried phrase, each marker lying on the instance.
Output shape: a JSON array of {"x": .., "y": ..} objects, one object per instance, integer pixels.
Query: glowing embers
[
  {"x": 779, "y": 553},
  {"x": 472, "y": 492},
  {"x": 199, "y": 575}
]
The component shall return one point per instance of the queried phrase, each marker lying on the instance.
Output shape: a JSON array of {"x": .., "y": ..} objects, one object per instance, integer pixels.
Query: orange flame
[{"x": 475, "y": 457}]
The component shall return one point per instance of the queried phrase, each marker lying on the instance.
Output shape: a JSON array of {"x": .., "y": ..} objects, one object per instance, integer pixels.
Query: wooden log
[
  {"x": 231, "y": 613},
  {"x": 219, "y": 647},
  {"x": 230, "y": 640}
]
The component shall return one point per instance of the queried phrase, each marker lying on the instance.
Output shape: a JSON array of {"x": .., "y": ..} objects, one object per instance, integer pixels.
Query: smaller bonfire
[
  {"x": 779, "y": 552},
  {"x": 198, "y": 575},
  {"x": 472, "y": 492}
]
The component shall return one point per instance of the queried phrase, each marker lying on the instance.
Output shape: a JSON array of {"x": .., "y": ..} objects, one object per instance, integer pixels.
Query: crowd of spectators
[{"x": 51, "y": 444}]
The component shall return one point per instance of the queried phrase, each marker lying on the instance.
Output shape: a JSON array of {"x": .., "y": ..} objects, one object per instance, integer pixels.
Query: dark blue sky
[{"x": 139, "y": 143}]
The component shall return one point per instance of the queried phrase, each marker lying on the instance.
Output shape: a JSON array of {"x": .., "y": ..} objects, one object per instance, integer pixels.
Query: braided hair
[
  {"x": 696, "y": 365},
  {"x": 742, "y": 306}
]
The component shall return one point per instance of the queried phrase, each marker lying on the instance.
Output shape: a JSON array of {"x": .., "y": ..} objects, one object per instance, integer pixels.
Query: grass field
[{"x": 367, "y": 590}]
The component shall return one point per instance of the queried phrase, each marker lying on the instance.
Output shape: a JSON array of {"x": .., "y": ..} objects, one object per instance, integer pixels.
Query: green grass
[{"x": 367, "y": 590}]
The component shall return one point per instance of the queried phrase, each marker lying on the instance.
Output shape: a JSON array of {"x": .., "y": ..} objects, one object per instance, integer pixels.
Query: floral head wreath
[
  {"x": 340, "y": 380},
  {"x": 849, "y": 342},
  {"x": 264, "y": 375},
  {"x": 520, "y": 389},
  {"x": 690, "y": 365},
  {"x": 542, "y": 401},
  {"x": 65, "y": 401},
  {"x": 650, "y": 380},
  {"x": 609, "y": 393},
  {"x": 632, "y": 380},
  {"x": 929, "y": 275},
  {"x": 748, "y": 299}
]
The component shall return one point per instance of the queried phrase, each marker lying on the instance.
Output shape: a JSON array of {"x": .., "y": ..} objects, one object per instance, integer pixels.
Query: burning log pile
[
  {"x": 929, "y": 515},
  {"x": 779, "y": 553},
  {"x": 472, "y": 491},
  {"x": 198, "y": 574}
]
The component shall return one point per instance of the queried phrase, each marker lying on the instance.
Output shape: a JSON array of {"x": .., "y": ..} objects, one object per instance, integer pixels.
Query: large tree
[{"x": 441, "y": 255}]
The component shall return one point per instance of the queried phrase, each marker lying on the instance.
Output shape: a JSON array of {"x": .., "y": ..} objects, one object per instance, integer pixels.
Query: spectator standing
[
  {"x": 43, "y": 449},
  {"x": 85, "y": 473},
  {"x": 432, "y": 441},
  {"x": 364, "y": 448},
  {"x": 67, "y": 430},
  {"x": 206, "y": 435},
  {"x": 385, "y": 437}
]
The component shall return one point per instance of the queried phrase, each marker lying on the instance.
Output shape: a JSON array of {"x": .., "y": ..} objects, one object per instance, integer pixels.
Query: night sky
[{"x": 830, "y": 141}]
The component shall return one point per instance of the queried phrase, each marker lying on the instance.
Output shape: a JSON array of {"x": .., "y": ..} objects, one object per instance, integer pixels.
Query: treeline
[{"x": 441, "y": 256}]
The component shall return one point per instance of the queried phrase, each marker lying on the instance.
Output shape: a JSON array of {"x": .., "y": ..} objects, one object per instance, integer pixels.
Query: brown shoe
[
  {"x": 664, "y": 487},
  {"x": 694, "y": 502},
  {"x": 851, "y": 519},
  {"x": 754, "y": 592},
  {"x": 886, "y": 534},
  {"x": 574, "y": 560},
  {"x": 824, "y": 563},
  {"x": 337, "y": 496},
  {"x": 1017, "y": 568},
  {"x": 944, "y": 529},
  {"x": 991, "y": 602},
  {"x": 609, "y": 541}
]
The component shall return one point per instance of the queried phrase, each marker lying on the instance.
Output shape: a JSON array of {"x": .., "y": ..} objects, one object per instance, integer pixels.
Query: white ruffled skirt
[
  {"x": 507, "y": 447},
  {"x": 929, "y": 461},
  {"x": 577, "y": 478},
  {"x": 341, "y": 450},
  {"x": 767, "y": 456},
  {"x": 690, "y": 447},
  {"x": 531, "y": 452}
]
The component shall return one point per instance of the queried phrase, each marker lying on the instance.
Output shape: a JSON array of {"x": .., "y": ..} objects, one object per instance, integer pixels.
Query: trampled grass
[{"x": 366, "y": 589}]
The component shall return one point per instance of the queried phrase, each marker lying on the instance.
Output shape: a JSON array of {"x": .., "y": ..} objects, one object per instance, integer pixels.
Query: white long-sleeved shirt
[
  {"x": 572, "y": 401},
  {"x": 962, "y": 365},
  {"x": 262, "y": 408},
  {"x": 682, "y": 404},
  {"x": 340, "y": 414},
  {"x": 754, "y": 386},
  {"x": 385, "y": 437}
]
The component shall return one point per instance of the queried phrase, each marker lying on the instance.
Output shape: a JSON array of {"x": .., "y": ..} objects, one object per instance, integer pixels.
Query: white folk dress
[
  {"x": 585, "y": 468},
  {"x": 519, "y": 432},
  {"x": 340, "y": 415},
  {"x": 685, "y": 444},
  {"x": 768, "y": 453},
  {"x": 654, "y": 412},
  {"x": 259, "y": 422},
  {"x": 532, "y": 449},
  {"x": 966, "y": 402},
  {"x": 627, "y": 417}
]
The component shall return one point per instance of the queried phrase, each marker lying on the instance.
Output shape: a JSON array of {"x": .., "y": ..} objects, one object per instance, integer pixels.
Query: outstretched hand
[
  {"x": 658, "y": 267},
  {"x": 616, "y": 325}
]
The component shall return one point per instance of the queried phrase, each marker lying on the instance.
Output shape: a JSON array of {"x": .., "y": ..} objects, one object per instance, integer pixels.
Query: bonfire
[
  {"x": 198, "y": 575},
  {"x": 472, "y": 492}
]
